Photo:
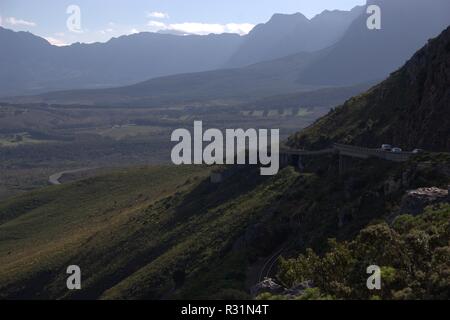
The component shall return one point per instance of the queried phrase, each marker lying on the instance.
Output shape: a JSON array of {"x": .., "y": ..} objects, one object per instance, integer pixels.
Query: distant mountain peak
[{"x": 287, "y": 34}]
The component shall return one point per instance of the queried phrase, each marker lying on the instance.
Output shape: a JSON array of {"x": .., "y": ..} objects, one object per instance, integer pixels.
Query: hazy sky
[{"x": 103, "y": 19}]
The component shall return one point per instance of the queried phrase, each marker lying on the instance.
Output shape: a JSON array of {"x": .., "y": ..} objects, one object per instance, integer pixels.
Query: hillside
[
  {"x": 166, "y": 232},
  {"x": 131, "y": 232},
  {"x": 411, "y": 109}
]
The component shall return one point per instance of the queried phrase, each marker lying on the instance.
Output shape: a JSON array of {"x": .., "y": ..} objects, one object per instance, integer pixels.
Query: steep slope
[
  {"x": 411, "y": 109},
  {"x": 364, "y": 54},
  {"x": 30, "y": 64},
  {"x": 285, "y": 35}
]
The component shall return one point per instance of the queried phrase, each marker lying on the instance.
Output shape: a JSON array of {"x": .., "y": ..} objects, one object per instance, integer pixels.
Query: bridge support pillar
[
  {"x": 284, "y": 160},
  {"x": 300, "y": 164},
  {"x": 342, "y": 164}
]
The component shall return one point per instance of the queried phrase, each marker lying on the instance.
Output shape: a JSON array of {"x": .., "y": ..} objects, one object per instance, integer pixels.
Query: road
[
  {"x": 54, "y": 178},
  {"x": 353, "y": 151}
]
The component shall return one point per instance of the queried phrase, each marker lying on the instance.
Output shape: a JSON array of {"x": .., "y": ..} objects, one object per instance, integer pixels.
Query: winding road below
[{"x": 54, "y": 178}]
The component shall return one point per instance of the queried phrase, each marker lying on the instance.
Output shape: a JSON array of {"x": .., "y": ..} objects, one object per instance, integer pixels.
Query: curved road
[{"x": 54, "y": 178}]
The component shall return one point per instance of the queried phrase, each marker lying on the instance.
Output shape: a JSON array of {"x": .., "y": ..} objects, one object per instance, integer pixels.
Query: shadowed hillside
[{"x": 411, "y": 109}]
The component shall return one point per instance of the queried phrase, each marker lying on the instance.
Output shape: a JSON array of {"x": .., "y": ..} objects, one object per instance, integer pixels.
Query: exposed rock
[
  {"x": 415, "y": 201},
  {"x": 270, "y": 286},
  {"x": 266, "y": 286}
]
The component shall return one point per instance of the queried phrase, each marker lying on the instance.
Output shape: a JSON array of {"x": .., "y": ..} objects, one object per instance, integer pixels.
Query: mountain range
[
  {"x": 32, "y": 65},
  {"x": 360, "y": 56},
  {"x": 285, "y": 35}
]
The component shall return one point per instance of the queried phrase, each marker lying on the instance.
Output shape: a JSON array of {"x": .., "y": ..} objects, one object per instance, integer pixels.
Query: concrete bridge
[{"x": 295, "y": 156}]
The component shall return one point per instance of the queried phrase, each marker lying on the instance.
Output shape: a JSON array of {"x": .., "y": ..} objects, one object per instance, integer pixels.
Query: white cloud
[
  {"x": 157, "y": 24},
  {"x": 157, "y": 15},
  {"x": 133, "y": 31},
  {"x": 239, "y": 28},
  {"x": 56, "y": 42},
  {"x": 106, "y": 31},
  {"x": 19, "y": 22},
  {"x": 202, "y": 28}
]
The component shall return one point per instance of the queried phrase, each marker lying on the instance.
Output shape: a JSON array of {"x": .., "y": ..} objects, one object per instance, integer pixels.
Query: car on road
[
  {"x": 417, "y": 151},
  {"x": 386, "y": 147},
  {"x": 396, "y": 150}
]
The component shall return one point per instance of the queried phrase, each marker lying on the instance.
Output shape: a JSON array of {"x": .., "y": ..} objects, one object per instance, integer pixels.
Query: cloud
[
  {"x": 133, "y": 31},
  {"x": 202, "y": 28},
  {"x": 56, "y": 42},
  {"x": 157, "y": 24},
  {"x": 106, "y": 31},
  {"x": 19, "y": 22},
  {"x": 157, "y": 15}
]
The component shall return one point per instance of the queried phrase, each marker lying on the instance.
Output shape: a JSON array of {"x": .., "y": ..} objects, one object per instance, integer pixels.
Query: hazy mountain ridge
[
  {"x": 361, "y": 56},
  {"x": 30, "y": 64},
  {"x": 285, "y": 35},
  {"x": 364, "y": 54},
  {"x": 258, "y": 80}
]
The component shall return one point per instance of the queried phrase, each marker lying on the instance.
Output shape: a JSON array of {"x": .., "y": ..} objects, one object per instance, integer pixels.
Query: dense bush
[{"x": 412, "y": 252}]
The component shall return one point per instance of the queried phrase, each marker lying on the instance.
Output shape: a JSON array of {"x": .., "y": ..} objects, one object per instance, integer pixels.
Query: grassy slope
[
  {"x": 133, "y": 232},
  {"x": 129, "y": 231}
]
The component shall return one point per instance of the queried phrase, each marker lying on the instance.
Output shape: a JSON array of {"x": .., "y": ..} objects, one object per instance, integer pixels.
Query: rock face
[
  {"x": 266, "y": 286},
  {"x": 415, "y": 201},
  {"x": 409, "y": 109}
]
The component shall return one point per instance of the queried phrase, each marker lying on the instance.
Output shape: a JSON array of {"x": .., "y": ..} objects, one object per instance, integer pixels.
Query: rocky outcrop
[
  {"x": 415, "y": 201},
  {"x": 266, "y": 286},
  {"x": 270, "y": 286}
]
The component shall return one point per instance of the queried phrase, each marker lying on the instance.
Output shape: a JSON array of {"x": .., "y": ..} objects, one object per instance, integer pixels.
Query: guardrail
[{"x": 353, "y": 151}]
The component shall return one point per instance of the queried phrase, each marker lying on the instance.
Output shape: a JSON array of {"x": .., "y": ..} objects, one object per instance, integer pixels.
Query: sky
[{"x": 100, "y": 20}]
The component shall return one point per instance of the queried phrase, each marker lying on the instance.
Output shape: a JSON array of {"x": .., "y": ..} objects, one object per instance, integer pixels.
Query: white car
[
  {"x": 416, "y": 151},
  {"x": 396, "y": 150},
  {"x": 386, "y": 147}
]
